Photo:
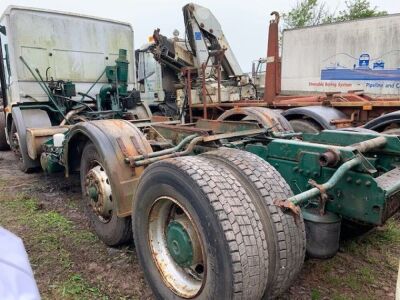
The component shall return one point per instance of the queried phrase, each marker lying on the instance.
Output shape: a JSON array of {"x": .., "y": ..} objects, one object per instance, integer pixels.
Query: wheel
[
  {"x": 286, "y": 240},
  {"x": 25, "y": 163},
  {"x": 3, "y": 140},
  {"x": 197, "y": 234},
  {"x": 305, "y": 126},
  {"x": 393, "y": 131},
  {"x": 21, "y": 120},
  {"x": 99, "y": 204}
]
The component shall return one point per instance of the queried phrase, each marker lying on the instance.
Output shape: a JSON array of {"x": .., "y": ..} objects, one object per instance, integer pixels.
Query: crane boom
[{"x": 205, "y": 34}]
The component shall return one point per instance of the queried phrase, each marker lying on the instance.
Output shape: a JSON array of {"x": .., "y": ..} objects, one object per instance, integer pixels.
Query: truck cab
[{"x": 68, "y": 52}]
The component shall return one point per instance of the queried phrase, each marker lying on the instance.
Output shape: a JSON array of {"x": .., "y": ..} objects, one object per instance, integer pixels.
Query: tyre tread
[
  {"x": 289, "y": 236},
  {"x": 239, "y": 220}
]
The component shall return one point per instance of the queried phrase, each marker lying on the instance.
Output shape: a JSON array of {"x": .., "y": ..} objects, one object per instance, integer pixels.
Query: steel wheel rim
[
  {"x": 186, "y": 282},
  {"x": 96, "y": 181}
]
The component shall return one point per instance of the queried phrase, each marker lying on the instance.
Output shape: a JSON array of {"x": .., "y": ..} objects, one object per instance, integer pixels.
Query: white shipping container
[{"x": 355, "y": 55}]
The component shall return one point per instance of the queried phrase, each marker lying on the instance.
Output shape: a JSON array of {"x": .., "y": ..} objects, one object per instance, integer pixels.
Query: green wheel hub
[
  {"x": 179, "y": 244},
  {"x": 93, "y": 193}
]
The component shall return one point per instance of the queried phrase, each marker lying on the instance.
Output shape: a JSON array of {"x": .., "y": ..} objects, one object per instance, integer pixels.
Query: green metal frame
[{"x": 354, "y": 188}]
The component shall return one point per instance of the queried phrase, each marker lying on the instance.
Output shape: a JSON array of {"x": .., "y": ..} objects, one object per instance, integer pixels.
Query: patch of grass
[
  {"x": 315, "y": 294},
  {"x": 352, "y": 281},
  {"x": 84, "y": 236},
  {"x": 351, "y": 247},
  {"x": 75, "y": 287},
  {"x": 334, "y": 280},
  {"x": 338, "y": 296},
  {"x": 328, "y": 265},
  {"x": 366, "y": 275},
  {"x": 46, "y": 236},
  {"x": 390, "y": 234}
]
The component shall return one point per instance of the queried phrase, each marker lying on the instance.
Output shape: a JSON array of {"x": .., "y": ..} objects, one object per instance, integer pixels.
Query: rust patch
[
  {"x": 285, "y": 204},
  {"x": 122, "y": 147}
]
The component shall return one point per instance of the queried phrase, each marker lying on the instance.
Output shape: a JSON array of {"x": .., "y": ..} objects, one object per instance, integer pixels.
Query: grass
[
  {"x": 315, "y": 294},
  {"x": 46, "y": 241},
  {"x": 48, "y": 236},
  {"x": 366, "y": 275},
  {"x": 75, "y": 287},
  {"x": 363, "y": 266}
]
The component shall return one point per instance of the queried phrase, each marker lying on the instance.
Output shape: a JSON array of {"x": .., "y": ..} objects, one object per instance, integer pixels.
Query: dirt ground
[{"x": 69, "y": 262}]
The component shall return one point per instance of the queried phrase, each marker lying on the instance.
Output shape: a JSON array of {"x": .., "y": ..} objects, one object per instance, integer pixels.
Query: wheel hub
[
  {"x": 176, "y": 247},
  {"x": 98, "y": 189},
  {"x": 179, "y": 244}
]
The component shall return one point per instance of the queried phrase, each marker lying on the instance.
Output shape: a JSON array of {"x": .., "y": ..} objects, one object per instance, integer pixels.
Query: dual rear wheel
[{"x": 204, "y": 226}]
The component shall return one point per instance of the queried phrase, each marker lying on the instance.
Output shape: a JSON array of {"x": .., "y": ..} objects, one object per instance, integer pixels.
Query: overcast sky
[{"x": 245, "y": 23}]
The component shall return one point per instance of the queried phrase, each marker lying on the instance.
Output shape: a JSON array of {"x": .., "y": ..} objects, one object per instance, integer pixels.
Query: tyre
[
  {"x": 3, "y": 140},
  {"x": 305, "y": 126},
  {"x": 25, "y": 163},
  {"x": 21, "y": 120},
  {"x": 286, "y": 240},
  {"x": 197, "y": 234},
  {"x": 98, "y": 201}
]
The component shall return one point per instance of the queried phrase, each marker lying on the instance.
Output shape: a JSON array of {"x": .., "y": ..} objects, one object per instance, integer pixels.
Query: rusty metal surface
[
  {"x": 226, "y": 126},
  {"x": 263, "y": 116},
  {"x": 176, "y": 133},
  {"x": 181, "y": 282},
  {"x": 329, "y": 158},
  {"x": 114, "y": 141},
  {"x": 35, "y": 137},
  {"x": 386, "y": 182},
  {"x": 285, "y": 204},
  {"x": 370, "y": 144},
  {"x": 323, "y": 197},
  {"x": 244, "y": 133},
  {"x": 136, "y": 161},
  {"x": 273, "y": 65}
]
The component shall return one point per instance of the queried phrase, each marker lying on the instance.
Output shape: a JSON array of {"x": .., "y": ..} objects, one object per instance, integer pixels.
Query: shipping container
[{"x": 354, "y": 55}]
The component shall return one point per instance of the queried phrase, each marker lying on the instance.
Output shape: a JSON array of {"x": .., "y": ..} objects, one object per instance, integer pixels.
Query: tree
[
  {"x": 358, "y": 9},
  {"x": 306, "y": 13},
  {"x": 311, "y": 12}
]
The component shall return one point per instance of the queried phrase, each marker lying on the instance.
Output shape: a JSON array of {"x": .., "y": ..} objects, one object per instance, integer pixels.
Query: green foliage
[
  {"x": 306, "y": 13},
  {"x": 358, "y": 9},
  {"x": 312, "y": 12},
  {"x": 315, "y": 294}
]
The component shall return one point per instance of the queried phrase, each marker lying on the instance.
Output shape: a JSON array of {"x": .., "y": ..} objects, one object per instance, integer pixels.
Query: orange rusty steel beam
[{"x": 272, "y": 76}]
